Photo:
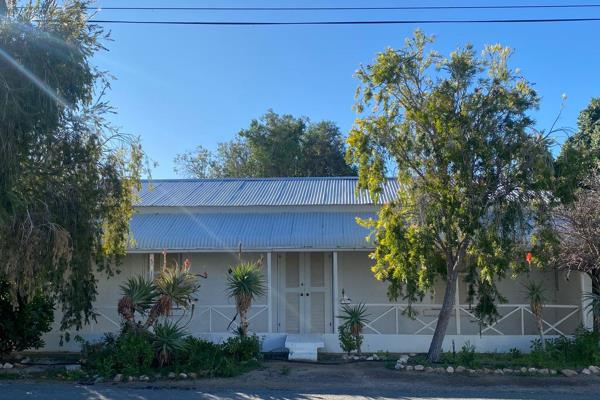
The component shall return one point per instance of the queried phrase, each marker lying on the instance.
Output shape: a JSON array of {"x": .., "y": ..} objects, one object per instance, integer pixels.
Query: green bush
[
  {"x": 347, "y": 339},
  {"x": 580, "y": 350},
  {"x": 22, "y": 328},
  {"x": 467, "y": 356},
  {"x": 131, "y": 353},
  {"x": 135, "y": 353},
  {"x": 242, "y": 348}
]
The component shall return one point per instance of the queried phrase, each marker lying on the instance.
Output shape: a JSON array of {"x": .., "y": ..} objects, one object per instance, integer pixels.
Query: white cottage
[{"x": 314, "y": 254}]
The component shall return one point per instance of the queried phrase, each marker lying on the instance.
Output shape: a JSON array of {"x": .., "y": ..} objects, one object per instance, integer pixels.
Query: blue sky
[{"x": 180, "y": 86}]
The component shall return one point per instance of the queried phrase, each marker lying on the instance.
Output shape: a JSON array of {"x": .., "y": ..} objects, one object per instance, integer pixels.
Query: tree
[
  {"x": 473, "y": 177},
  {"x": 274, "y": 145},
  {"x": 577, "y": 225},
  {"x": 580, "y": 154},
  {"x": 22, "y": 327},
  {"x": 67, "y": 178}
]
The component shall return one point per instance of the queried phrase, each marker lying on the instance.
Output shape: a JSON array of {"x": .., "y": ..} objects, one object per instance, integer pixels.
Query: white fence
[{"x": 515, "y": 319}]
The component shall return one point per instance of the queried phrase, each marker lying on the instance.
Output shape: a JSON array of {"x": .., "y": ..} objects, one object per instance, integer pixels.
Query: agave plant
[
  {"x": 175, "y": 287},
  {"x": 245, "y": 282},
  {"x": 536, "y": 294},
  {"x": 168, "y": 339},
  {"x": 593, "y": 306},
  {"x": 139, "y": 294},
  {"x": 354, "y": 319}
]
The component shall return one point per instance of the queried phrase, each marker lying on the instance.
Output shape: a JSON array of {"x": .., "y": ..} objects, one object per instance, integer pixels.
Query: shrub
[
  {"x": 355, "y": 318},
  {"x": 134, "y": 353},
  {"x": 579, "y": 351},
  {"x": 131, "y": 353},
  {"x": 347, "y": 340},
  {"x": 245, "y": 283},
  {"x": 242, "y": 348},
  {"x": 167, "y": 340},
  {"x": 466, "y": 355},
  {"x": 22, "y": 327}
]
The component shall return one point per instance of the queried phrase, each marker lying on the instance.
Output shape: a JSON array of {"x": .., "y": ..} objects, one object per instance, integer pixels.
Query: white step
[{"x": 304, "y": 347}]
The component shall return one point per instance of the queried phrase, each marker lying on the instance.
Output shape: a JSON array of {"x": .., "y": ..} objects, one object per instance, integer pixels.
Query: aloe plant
[
  {"x": 245, "y": 283},
  {"x": 536, "y": 294},
  {"x": 354, "y": 319}
]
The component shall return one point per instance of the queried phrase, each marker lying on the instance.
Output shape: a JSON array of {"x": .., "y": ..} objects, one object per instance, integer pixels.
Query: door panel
[{"x": 306, "y": 287}]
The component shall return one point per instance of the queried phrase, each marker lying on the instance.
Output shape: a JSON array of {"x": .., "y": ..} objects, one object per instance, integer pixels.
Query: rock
[
  {"x": 158, "y": 375},
  {"x": 345, "y": 357},
  {"x": 532, "y": 370},
  {"x": 586, "y": 371},
  {"x": 171, "y": 375},
  {"x": 26, "y": 360},
  {"x": 8, "y": 365},
  {"x": 553, "y": 372},
  {"x": 99, "y": 380},
  {"x": 428, "y": 369},
  {"x": 73, "y": 367},
  {"x": 472, "y": 371},
  {"x": 130, "y": 378},
  {"x": 568, "y": 372},
  {"x": 183, "y": 375},
  {"x": 375, "y": 357},
  {"x": 412, "y": 354},
  {"x": 440, "y": 370},
  {"x": 523, "y": 370},
  {"x": 118, "y": 378},
  {"x": 400, "y": 366},
  {"x": 193, "y": 375},
  {"x": 544, "y": 371},
  {"x": 487, "y": 371},
  {"x": 450, "y": 370},
  {"x": 594, "y": 369},
  {"x": 460, "y": 369},
  {"x": 144, "y": 378},
  {"x": 498, "y": 371},
  {"x": 355, "y": 358},
  {"x": 370, "y": 358},
  {"x": 409, "y": 367},
  {"x": 507, "y": 370},
  {"x": 419, "y": 367},
  {"x": 403, "y": 359}
]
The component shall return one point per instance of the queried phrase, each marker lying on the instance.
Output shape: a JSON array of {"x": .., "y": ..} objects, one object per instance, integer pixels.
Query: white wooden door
[{"x": 306, "y": 284}]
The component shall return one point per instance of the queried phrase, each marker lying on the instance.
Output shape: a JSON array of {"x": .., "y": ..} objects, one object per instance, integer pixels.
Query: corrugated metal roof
[
  {"x": 259, "y": 192},
  {"x": 255, "y": 231}
]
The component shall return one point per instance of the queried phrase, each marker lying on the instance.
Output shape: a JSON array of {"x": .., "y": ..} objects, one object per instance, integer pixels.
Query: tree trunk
[
  {"x": 435, "y": 349},
  {"x": 596, "y": 290},
  {"x": 540, "y": 323}
]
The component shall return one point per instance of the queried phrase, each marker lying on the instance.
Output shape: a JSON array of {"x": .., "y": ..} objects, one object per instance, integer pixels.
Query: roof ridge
[{"x": 276, "y": 178}]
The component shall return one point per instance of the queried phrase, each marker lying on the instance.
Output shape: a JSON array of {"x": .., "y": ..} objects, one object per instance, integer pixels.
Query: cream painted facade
[{"x": 305, "y": 295}]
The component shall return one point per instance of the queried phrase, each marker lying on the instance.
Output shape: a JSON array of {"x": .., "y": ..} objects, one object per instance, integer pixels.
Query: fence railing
[{"x": 514, "y": 319}]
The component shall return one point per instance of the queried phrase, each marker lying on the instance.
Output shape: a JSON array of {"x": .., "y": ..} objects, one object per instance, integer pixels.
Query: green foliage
[
  {"x": 580, "y": 153},
  {"x": 22, "y": 328},
  {"x": 466, "y": 355},
  {"x": 67, "y": 177},
  {"x": 581, "y": 350},
  {"x": 174, "y": 286},
  {"x": 245, "y": 282},
  {"x": 274, "y": 145},
  {"x": 134, "y": 353},
  {"x": 473, "y": 173},
  {"x": 348, "y": 341},
  {"x": 138, "y": 352},
  {"x": 168, "y": 340},
  {"x": 130, "y": 353},
  {"x": 354, "y": 318},
  {"x": 242, "y": 348}
]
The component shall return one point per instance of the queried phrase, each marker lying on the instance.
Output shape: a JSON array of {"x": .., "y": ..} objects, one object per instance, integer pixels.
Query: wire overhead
[
  {"x": 369, "y": 8},
  {"x": 372, "y": 22}
]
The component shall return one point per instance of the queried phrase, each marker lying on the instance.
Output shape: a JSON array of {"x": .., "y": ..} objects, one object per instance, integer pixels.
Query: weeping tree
[
  {"x": 67, "y": 177},
  {"x": 472, "y": 172}
]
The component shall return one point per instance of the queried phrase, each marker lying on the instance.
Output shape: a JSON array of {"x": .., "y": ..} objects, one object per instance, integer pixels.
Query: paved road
[
  {"x": 293, "y": 381},
  {"x": 17, "y": 390}
]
